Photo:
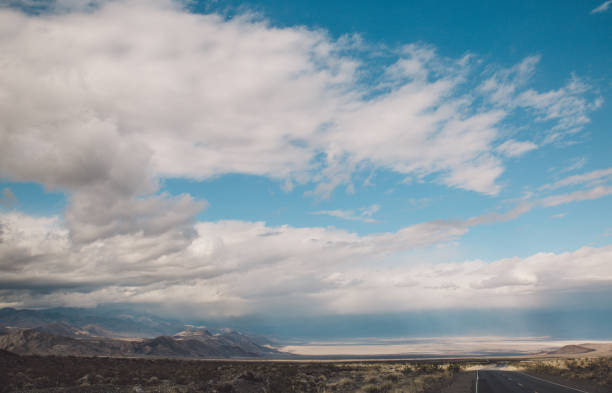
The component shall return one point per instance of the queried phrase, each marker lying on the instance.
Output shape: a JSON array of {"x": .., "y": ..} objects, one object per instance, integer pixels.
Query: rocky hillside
[
  {"x": 35, "y": 342},
  {"x": 81, "y": 332},
  {"x": 94, "y": 322},
  {"x": 40, "y": 342},
  {"x": 228, "y": 341}
]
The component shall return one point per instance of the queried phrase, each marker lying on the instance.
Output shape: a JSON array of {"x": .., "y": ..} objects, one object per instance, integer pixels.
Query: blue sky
[{"x": 263, "y": 158}]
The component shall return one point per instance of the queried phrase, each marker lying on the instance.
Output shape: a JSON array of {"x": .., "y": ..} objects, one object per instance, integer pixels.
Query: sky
[{"x": 333, "y": 161}]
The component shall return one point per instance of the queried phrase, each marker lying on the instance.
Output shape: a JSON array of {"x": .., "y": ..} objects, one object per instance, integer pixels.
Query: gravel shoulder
[{"x": 581, "y": 384}]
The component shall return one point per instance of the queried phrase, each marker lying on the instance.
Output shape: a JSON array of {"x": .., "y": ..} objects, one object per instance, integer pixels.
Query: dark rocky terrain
[
  {"x": 225, "y": 345},
  {"x": 64, "y": 374}
]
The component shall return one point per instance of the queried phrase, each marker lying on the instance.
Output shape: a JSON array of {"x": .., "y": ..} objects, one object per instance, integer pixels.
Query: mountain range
[
  {"x": 118, "y": 322},
  {"x": 70, "y": 332}
]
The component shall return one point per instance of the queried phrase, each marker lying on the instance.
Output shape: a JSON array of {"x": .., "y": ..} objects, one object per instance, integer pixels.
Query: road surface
[{"x": 494, "y": 381}]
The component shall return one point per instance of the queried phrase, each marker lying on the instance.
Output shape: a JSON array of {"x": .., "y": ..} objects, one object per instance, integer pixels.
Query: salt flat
[{"x": 443, "y": 346}]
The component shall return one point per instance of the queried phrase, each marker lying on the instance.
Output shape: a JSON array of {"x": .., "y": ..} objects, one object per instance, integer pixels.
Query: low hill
[{"x": 571, "y": 350}]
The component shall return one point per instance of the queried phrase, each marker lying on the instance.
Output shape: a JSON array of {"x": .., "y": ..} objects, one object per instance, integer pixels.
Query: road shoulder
[{"x": 584, "y": 385}]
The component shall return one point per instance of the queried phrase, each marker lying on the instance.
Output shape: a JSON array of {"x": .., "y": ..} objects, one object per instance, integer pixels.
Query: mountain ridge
[{"x": 48, "y": 332}]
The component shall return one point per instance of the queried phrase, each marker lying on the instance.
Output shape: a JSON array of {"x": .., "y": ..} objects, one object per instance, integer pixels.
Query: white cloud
[
  {"x": 566, "y": 106},
  {"x": 603, "y": 7},
  {"x": 512, "y": 148},
  {"x": 363, "y": 214},
  {"x": 237, "y": 268},
  {"x": 582, "y": 195},
  {"x": 132, "y": 91},
  {"x": 577, "y": 163},
  {"x": 504, "y": 85},
  {"x": 566, "y": 110},
  {"x": 594, "y": 185},
  {"x": 104, "y": 103},
  {"x": 149, "y": 216},
  {"x": 43, "y": 254},
  {"x": 590, "y": 178}
]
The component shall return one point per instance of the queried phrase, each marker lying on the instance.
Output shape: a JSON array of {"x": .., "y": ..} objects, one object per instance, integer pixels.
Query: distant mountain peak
[{"x": 193, "y": 332}]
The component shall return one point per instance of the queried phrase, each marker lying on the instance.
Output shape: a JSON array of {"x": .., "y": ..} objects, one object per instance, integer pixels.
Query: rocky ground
[
  {"x": 96, "y": 375},
  {"x": 71, "y": 374}
]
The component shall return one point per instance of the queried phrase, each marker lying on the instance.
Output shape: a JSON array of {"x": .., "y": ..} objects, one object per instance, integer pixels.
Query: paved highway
[{"x": 494, "y": 381}]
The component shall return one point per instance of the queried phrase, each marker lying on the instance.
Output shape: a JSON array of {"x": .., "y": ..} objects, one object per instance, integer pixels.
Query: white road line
[
  {"x": 547, "y": 381},
  {"x": 476, "y": 381}
]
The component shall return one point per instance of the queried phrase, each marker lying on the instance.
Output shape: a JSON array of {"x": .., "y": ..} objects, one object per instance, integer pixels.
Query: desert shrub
[
  {"x": 343, "y": 384},
  {"x": 176, "y": 375},
  {"x": 428, "y": 368},
  {"x": 597, "y": 370},
  {"x": 384, "y": 388},
  {"x": 393, "y": 377},
  {"x": 249, "y": 376},
  {"x": 225, "y": 388},
  {"x": 407, "y": 370}
]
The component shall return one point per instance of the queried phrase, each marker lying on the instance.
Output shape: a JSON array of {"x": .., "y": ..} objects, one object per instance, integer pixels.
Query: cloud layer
[
  {"x": 136, "y": 90},
  {"x": 104, "y": 102},
  {"x": 306, "y": 270}
]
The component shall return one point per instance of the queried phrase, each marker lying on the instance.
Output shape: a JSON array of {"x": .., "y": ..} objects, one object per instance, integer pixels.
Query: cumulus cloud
[
  {"x": 104, "y": 102},
  {"x": 42, "y": 253},
  {"x": 314, "y": 270},
  {"x": 94, "y": 216},
  {"x": 135, "y": 90}
]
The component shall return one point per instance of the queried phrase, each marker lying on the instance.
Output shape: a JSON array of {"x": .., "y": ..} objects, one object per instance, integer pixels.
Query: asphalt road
[{"x": 493, "y": 381}]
